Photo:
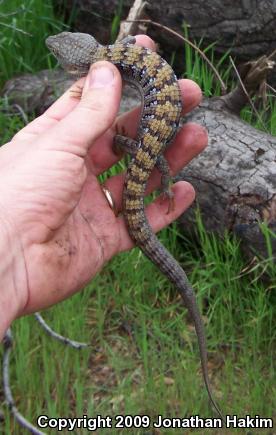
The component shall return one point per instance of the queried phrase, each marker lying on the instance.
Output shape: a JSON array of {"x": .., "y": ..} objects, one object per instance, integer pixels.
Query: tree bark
[
  {"x": 34, "y": 93},
  {"x": 234, "y": 178},
  {"x": 246, "y": 27}
]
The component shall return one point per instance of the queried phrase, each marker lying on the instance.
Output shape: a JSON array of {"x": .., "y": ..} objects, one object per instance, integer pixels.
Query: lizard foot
[
  {"x": 168, "y": 194},
  {"x": 123, "y": 144},
  {"x": 117, "y": 146}
]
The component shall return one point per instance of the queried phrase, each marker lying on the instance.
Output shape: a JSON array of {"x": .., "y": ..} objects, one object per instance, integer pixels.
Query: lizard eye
[{"x": 54, "y": 51}]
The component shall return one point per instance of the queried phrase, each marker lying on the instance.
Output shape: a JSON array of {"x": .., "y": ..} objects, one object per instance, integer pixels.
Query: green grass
[
  {"x": 115, "y": 25},
  {"x": 143, "y": 357},
  {"x": 24, "y": 27},
  {"x": 267, "y": 117},
  {"x": 198, "y": 70}
]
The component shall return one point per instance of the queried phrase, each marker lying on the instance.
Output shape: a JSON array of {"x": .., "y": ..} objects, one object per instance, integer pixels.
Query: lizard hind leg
[
  {"x": 123, "y": 144},
  {"x": 163, "y": 167}
]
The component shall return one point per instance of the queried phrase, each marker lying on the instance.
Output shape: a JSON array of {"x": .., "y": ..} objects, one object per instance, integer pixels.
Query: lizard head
[{"x": 74, "y": 51}]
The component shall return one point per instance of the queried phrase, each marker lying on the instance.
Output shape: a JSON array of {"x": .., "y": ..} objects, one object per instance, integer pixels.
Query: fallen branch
[
  {"x": 56, "y": 336},
  {"x": 8, "y": 344}
]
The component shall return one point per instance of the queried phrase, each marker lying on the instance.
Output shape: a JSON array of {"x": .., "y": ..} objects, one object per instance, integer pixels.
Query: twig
[
  {"x": 271, "y": 88},
  {"x": 52, "y": 333},
  {"x": 127, "y": 26},
  {"x": 22, "y": 113},
  {"x": 8, "y": 342},
  {"x": 271, "y": 55},
  {"x": 203, "y": 55},
  {"x": 247, "y": 95}
]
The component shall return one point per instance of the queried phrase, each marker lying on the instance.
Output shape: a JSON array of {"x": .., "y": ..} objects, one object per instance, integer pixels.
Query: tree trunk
[
  {"x": 234, "y": 178},
  {"x": 246, "y": 27}
]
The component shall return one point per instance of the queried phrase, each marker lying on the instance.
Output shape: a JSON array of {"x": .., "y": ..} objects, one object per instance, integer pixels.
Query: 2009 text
[{"x": 132, "y": 421}]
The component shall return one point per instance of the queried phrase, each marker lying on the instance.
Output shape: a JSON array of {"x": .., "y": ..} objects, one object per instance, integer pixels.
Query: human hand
[{"x": 54, "y": 215}]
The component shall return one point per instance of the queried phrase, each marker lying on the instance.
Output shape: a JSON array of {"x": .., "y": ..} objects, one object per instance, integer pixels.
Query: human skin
[{"x": 57, "y": 229}]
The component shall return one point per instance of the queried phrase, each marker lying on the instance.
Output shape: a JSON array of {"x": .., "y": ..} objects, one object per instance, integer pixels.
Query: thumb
[{"x": 96, "y": 110}]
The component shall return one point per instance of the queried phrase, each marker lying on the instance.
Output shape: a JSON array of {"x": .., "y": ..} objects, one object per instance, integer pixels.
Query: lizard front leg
[{"x": 123, "y": 144}]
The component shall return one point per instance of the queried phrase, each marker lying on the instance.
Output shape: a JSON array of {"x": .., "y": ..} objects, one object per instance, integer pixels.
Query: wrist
[{"x": 13, "y": 277}]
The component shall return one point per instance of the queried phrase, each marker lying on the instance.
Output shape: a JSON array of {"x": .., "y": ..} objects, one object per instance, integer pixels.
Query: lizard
[{"x": 159, "y": 122}]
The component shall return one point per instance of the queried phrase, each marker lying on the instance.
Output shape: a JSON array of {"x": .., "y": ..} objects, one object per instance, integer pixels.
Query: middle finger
[{"x": 189, "y": 142}]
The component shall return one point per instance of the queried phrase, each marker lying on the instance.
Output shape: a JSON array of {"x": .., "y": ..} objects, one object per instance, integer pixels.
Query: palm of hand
[{"x": 67, "y": 229}]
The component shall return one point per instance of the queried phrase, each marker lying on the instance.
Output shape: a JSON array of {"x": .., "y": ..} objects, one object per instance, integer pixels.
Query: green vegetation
[
  {"x": 24, "y": 28},
  {"x": 198, "y": 70},
  {"x": 115, "y": 25},
  {"x": 143, "y": 357}
]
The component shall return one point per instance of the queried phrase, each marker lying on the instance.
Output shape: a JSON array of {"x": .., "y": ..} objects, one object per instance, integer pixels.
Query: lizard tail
[
  {"x": 178, "y": 277},
  {"x": 143, "y": 236}
]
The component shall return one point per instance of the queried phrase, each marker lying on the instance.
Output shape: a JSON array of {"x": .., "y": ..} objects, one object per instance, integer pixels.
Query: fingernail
[{"x": 100, "y": 77}]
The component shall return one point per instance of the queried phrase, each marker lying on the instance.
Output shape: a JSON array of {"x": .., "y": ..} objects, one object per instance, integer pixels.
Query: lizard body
[{"x": 159, "y": 122}]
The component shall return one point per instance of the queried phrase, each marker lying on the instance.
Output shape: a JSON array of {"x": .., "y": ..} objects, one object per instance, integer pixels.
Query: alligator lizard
[{"x": 159, "y": 122}]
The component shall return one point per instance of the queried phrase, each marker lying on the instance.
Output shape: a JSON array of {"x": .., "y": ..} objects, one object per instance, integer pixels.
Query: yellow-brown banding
[
  {"x": 163, "y": 75},
  {"x": 137, "y": 217},
  {"x": 135, "y": 187},
  {"x": 151, "y": 63},
  {"x": 117, "y": 53},
  {"x": 151, "y": 142},
  {"x": 160, "y": 127},
  {"x": 138, "y": 173},
  {"x": 168, "y": 110},
  {"x": 133, "y": 204},
  {"x": 102, "y": 53},
  {"x": 144, "y": 157},
  {"x": 171, "y": 91},
  {"x": 134, "y": 55}
]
